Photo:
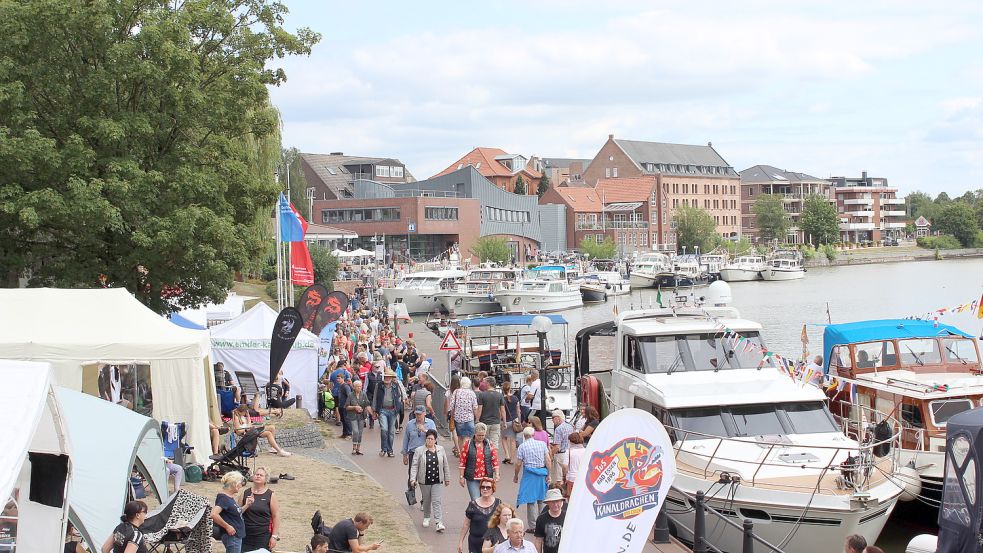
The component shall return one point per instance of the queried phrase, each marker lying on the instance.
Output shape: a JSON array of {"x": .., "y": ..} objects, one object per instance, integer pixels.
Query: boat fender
[
  {"x": 882, "y": 434},
  {"x": 911, "y": 483}
]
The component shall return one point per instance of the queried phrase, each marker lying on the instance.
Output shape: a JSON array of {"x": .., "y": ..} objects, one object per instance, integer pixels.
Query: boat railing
[{"x": 855, "y": 463}]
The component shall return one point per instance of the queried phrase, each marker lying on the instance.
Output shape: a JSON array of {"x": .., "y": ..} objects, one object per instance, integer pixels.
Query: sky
[{"x": 831, "y": 88}]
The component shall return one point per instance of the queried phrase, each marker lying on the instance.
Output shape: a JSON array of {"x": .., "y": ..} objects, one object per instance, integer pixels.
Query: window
[
  {"x": 919, "y": 352},
  {"x": 382, "y": 170},
  {"x": 960, "y": 350},
  {"x": 440, "y": 213},
  {"x": 944, "y": 409},
  {"x": 809, "y": 418},
  {"x": 702, "y": 421},
  {"x": 757, "y": 420},
  {"x": 875, "y": 355},
  {"x": 359, "y": 215},
  {"x": 614, "y": 172},
  {"x": 607, "y": 172},
  {"x": 912, "y": 415},
  {"x": 398, "y": 171},
  {"x": 685, "y": 188}
]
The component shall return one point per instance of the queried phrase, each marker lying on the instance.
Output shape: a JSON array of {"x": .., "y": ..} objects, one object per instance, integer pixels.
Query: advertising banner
[
  {"x": 623, "y": 481},
  {"x": 285, "y": 331},
  {"x": 310, "y": 304}
]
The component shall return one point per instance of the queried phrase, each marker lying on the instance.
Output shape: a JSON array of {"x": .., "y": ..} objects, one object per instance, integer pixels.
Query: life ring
[{"x": 590, "y": 388}]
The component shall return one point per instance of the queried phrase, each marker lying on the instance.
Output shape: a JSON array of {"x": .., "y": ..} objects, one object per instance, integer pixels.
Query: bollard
[
  {"x": 662, "y": 527},
  {"x": 748, "y": 537},
  {"x": 300, "y": 402},
  {"x": 700, "y": 525}
]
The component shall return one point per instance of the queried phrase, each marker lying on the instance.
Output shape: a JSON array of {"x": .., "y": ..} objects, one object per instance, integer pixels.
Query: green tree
[
  {"x": 325, "y": 266},
  {"x": 919, "y": 204},
  {"x": 125, "y": 142},
  {"x": 604, "y": 250},
  {"x": 959, "y": 220},
  {"x": 819, "y": 220},
  {"x": 694, "y": 227},
  {"x": 771, "y": 216},
  {"x": 494, "y": 249},
  {"x": 544, "y": 185},
  {"x": 942, "y": 199},
  {"x": 520, "y": 186},
  {"x": 298, "y": 182}
]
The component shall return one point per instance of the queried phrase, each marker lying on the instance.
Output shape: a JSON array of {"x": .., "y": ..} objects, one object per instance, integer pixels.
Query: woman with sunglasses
[
  {"x": 476, "y": 517},
  {"x": 127, "y": 537}
]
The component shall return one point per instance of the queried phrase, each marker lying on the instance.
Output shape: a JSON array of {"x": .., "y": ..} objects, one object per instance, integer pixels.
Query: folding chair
[
  {"x": 175, "y": 449},
  {"x": 247, "y": 385},
  {"x": 227, "y": 402}
]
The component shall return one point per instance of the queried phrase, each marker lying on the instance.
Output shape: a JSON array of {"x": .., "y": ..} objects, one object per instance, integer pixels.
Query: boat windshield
[
  {"x": 960, "y": 350},
  {"x": 691, "y": 352},
  {"x": 756, "y": 420},
  {"x": 944, "y": 409},
  {"x": 920, "y": 351}
]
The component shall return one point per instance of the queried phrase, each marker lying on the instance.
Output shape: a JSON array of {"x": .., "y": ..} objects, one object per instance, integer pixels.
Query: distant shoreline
[{"x": 890, "y": 255}]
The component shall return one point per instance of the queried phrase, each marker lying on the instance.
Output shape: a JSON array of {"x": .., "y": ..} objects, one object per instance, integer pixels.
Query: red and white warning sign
[{"x": 450, "y": 342}]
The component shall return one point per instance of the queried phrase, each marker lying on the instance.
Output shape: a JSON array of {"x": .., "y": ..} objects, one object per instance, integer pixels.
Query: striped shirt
[
  {"x": 561, "y": 436},
  {"x": 532, "y": 453}
]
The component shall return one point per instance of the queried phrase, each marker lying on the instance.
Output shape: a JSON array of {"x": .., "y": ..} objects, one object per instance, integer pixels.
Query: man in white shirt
[
  {"x": 516, "y": 543},
  {"x": 533, "y": 398}
]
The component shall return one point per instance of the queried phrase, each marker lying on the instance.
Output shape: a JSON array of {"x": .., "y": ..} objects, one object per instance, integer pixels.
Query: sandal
[
  {"x": 286, "y": 476},
  {"x": 456, "y": 452}
]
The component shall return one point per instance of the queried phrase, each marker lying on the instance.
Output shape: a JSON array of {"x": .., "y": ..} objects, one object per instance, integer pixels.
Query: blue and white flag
[{"x": 291, "y": 229}]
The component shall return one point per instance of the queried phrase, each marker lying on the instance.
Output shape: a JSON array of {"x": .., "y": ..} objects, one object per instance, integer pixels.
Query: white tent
[
  {"x": 231, "y": 308},
  {"x": 33, "y": 428},
  {"x": 243, "y": 344},
  {"x": 72, "y": 329},
  {"x": 107, "y": 441}
]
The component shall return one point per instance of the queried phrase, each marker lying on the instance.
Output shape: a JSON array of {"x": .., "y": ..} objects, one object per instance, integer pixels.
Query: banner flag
[
  {"x": 285, "y": 331},
  {"x": 324, "y": 352},
  {"x": 625, "y": 476},
  {"x": 979, "y": 313},
  {"x": 331, "y": 310},
  {"x": 301, "y": 266},
  {"x": 310, "y": 304},
  {"x": 291, "y": 228}
]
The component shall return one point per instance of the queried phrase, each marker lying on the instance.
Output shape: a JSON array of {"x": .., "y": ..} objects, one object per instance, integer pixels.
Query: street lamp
[{"x": 542, "y": 325}]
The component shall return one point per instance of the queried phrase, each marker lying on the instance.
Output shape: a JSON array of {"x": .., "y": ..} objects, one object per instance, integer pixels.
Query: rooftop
[
  {"x": 767, "y": 174},
  {"x": 332, "y": 169},
  {"x": 486, "y": 161},
  {"x": 675, "y": 159},
  {"x": 635, "y": 189}
]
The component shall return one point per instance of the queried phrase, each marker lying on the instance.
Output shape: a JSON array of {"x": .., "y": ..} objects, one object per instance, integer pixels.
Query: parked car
[{"x": 891, "y": 242}]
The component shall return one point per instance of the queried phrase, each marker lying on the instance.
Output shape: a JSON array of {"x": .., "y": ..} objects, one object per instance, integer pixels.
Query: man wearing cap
[
  {"x": 549, "y": 525},
  {"x": 560, "y": 447},
  {"x": 414, "y": 437},
  {"x": 387, "y": 398}
]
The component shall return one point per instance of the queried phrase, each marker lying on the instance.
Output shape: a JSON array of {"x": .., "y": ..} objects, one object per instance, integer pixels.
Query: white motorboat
[
  {"x": 711, "y": 264},
  {"x": 760, "y": 445},
  {"x": 786, "y": 265},
  {"x": 597, "y": 286},
  {"x": 651, "y": 271},
  {"x": 743, "y": 268},
  {"x": 417, "y": 291},
  {"x": 476, "y": 296},
  {"x": 548, "y": 291}
]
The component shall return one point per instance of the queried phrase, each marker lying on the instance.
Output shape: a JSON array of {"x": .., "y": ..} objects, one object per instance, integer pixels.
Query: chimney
[
  {"x": 610, "y": 137},
  {"x": 710, "y": 144},
  {"x": 864, "y": 175},
  {"x": 337, "y": 153}
]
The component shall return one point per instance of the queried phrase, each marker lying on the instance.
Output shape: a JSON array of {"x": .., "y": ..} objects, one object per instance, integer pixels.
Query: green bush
[
  {"x": 807, "y": 251},
  {"x": 943, "y": 242},
  {"x": 829, "y": 251}
]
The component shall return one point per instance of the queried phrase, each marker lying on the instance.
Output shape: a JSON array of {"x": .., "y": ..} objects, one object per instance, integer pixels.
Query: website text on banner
[{"x": 628, "y": 468}]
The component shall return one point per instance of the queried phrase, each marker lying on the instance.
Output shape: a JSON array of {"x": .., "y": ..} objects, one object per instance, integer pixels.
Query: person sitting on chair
[
  {"x": 241, "y": 424},
  {"x": 223, "y": 380},
  {"x": 277, "y": 393}
]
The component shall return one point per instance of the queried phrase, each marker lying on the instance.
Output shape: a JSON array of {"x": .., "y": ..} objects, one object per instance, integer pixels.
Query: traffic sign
[{"x": 450, "y": 342}]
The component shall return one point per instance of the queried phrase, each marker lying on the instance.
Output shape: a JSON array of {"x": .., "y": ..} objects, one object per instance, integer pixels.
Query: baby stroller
[{"x": 236, "y": 459}]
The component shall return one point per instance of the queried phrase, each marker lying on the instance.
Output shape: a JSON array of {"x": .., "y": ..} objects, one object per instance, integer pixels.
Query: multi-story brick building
[
  {"x": 500, "y": 168},
  {"x": 562, "y": 171},
  {"x": 869, "y": 209},
  {"x": 685, "y": 174},
  {"x": 792, "y": 187},
  {"x": 332, "y": 176}
]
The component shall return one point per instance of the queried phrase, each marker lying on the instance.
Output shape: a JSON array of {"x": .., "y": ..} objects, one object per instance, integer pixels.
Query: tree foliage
[
  {"x": 959, "y": 220},
  {"x": 491, "y": 248},
  {"x": 128, "y": 135},
  {"x": 520, "y": 186},
  {"x": 820, "y": 221},
  {"x": 920, "y": 204},
  {"x": 773, "y": 221},
  {"x": 604, "y": 250},
  {"x": 290, "y": 159},
  {"x": 694, "y": 228},
  {"x": 325, "y": 265},
  {"x": 544, "y": 185}
]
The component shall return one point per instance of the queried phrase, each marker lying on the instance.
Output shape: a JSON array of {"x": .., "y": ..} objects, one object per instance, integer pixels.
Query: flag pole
[
  {"x": 290, "y": 279},
  {"x": 279, "y": 264}
]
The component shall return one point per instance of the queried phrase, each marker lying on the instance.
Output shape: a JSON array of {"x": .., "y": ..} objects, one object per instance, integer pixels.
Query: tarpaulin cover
[
  {"x": 502, "y": 320},
  {"x": 24, "y": 394},
  {"x": 177, "y": 319},
  {"x": 884, "y": 329},
  {"x": 961, "y": 512}
]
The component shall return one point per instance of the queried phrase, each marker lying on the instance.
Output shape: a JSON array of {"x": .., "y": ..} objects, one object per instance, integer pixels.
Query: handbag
[
  {"x": 451, "y": 423},
  {"x": 516, "y": 426},
  {"x": 411, "y": 496}
]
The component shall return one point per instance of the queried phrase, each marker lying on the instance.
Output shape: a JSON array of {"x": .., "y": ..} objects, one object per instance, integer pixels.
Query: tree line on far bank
[{"x": 959, "y": 221}]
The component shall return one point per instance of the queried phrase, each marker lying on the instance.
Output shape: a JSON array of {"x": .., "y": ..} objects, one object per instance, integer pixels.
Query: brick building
[
  {"x": 792, "y": 187},
  {"x": 869, "y": 209},
  {"x": 500, "y": 168},
  {"x": 685, "y": 174},
  {"x": 562, "y": 171},
  {"x": 332, "y": 176}
]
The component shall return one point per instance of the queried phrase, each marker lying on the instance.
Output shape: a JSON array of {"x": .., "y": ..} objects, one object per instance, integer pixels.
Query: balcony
[
  {"x": 859, "y": 201},
  {"x": 864, "y": 214},
  {"x": 588, "y": 226},
  {"x": 893, "y": 225},
  {"x": 893, "y": 213},
  {"x": 627, "y": 224},
  {"x": 856, "y": 226},
  {"x": 893, "y": 201}
]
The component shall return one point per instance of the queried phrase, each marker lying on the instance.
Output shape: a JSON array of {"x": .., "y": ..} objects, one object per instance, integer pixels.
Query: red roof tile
[
  {"x": 580, "y": 199},
  {"x": 483, "y": 159},
  {"x": 635, "y": 189}
]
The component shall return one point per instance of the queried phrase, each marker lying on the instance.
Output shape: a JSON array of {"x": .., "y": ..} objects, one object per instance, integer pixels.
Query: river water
[{"x": 849, "y": 293}]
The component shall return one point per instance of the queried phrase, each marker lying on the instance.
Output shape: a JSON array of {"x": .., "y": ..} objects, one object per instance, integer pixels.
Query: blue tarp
[
  {"x": 553, "y": 268},
  {"x": 499, "y": 320},
  {"x": 185, "y": 323},
  {"x": 884, "y": 329}
]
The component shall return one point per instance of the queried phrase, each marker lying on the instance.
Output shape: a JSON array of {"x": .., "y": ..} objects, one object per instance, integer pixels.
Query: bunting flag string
[{"x": 975, "y": 306}]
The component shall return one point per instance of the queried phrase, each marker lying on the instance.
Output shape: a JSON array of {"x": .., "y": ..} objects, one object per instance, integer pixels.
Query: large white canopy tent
[
  {"x": 243, "y": 344},
  {"x": 72, "y": 329},
  {"x": 33, "y": 425},
  {"x": 107, "y": 441},
  {"x": 231, "y": 308}
]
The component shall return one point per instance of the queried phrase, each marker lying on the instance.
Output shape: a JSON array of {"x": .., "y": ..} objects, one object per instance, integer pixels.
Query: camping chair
[
  {"x": 175, "y": 449},
  {"x": 247, "y": 385},
  {"x": 161, "y": 526},
  {"x": 243, "y": 448},
  {"x": 227, "y": 402}
]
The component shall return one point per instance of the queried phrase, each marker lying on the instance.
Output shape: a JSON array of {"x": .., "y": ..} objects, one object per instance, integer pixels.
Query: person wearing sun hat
[
  {"x": 386, "y": 401},
  {"x": 549, "y": 524}
]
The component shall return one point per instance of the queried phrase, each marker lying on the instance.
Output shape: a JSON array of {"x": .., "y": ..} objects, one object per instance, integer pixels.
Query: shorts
[{"x": 464, "y": 429}]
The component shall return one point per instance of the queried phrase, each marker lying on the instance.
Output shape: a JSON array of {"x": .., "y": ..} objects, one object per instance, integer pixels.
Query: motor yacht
[
  {"x": 417, "y": 291},
  {"x": 476, "y": 295},
  {"x": 711, "y": 265},
  {"x": 546, "y": 290},
  {"x": 651, "y": 271},
  {"x": 687, "y": 272},
  {"x": 924, "y": 371},
  {"x": 784, "y": 265},
  {"x": 743, "y": 268},
  {"x": 759, "y": 444},
  {"x": 597, "y": 286}
]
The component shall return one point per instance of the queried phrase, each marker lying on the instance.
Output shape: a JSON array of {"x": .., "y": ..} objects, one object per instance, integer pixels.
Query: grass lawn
[{"x": 256, "y": 289}]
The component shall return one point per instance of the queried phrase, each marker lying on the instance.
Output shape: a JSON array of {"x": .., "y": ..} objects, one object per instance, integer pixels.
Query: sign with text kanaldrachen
[{"x": 623, "y": 480}]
